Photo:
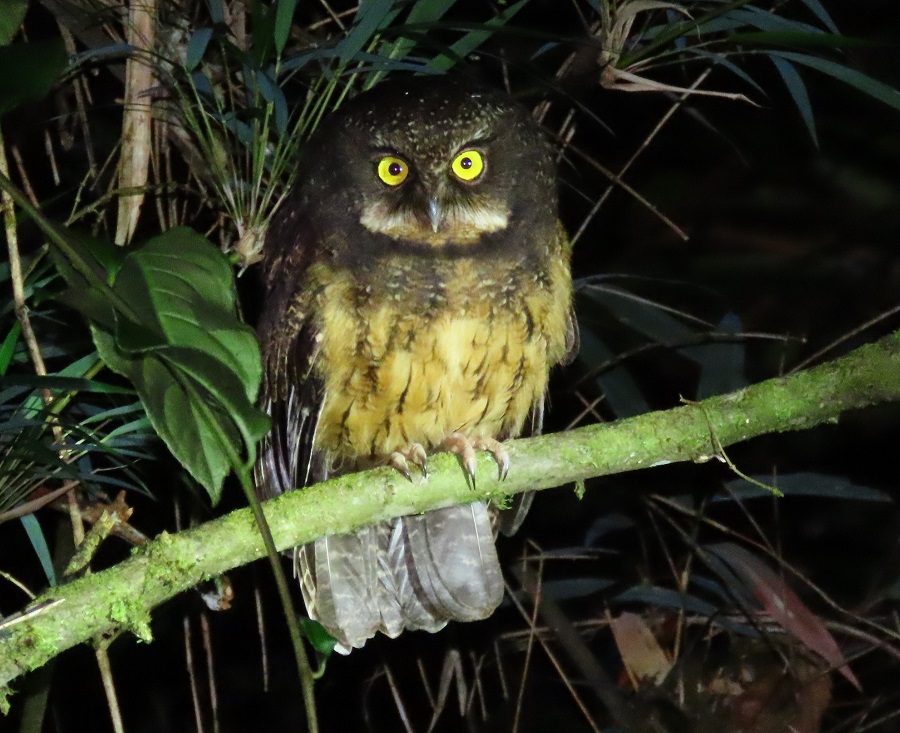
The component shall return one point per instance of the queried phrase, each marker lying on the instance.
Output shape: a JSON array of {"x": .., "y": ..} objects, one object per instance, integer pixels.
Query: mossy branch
[{"x": 123, "y": 596}]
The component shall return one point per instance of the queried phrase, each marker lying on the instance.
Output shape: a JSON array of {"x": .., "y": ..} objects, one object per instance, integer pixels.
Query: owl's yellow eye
[
  {"x": 392, "y": 170},
  {"x": 468, "y": 165}
]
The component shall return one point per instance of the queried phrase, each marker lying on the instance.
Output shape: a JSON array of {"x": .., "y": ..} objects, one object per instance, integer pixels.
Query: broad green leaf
[
  {"x": 12, "y": 13},
  {"x": 85, "y": 262},
  {"x": 195, "y": 366},
  {"x": 184, "y": 287},
  {"x": 227, "y": 391},
  {"x": 37, "y": 65},
  {"x": 196, "y": 437}
]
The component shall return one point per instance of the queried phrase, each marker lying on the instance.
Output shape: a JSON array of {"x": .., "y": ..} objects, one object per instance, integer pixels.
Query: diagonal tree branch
[{"x": 122, "y": 597}]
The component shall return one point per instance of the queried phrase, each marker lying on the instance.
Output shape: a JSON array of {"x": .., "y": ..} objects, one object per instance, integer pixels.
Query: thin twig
[
  {"x": 641, "y": 148},
  {"x": 32, "y": 506},
  {"x": 192, "y": 673},
  {"x": 109, "y": 688},
  {"x": 15, "y": 274},
  {"x": 553, "y": 660},
  {"x": 210, "y": 669},
  {"x": 841, "y": 339},
  {"x": 619, "y": 182}
]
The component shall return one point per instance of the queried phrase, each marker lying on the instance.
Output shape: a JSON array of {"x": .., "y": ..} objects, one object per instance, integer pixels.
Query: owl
[{"x": 417, "y": 295}]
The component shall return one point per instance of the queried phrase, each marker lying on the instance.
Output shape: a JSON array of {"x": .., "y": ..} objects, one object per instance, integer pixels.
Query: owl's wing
[
  {"x": 510, "y": 519},
  {"x": 292, "y": 394}
]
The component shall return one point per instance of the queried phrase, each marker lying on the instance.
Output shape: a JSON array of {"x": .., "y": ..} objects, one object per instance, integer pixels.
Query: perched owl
[{"x": 418, "y": 294}]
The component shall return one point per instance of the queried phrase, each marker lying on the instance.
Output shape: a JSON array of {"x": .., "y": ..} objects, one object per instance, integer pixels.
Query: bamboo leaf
[
  {"x": 866, "y": 84},
  {"x": 473, "y": 39},
  {"x": 284, "y": 16},
  {"x": 797, "y": 88}
]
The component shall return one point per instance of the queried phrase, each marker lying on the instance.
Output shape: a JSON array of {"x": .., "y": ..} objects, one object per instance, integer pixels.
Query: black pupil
[
  {"x": 395, "y": 169},
  {"x": 465, "y": 163}
]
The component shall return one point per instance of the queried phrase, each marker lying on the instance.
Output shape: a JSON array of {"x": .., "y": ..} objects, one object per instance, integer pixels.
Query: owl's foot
[
  {"x": 464, "y": 448},
  {"x": 413, "y": 453}
]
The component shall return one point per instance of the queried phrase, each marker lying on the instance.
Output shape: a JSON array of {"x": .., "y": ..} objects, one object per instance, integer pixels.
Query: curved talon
[
  {"x": 398, "y": 460},
  {"x": 414, "y": 453},
  {"x": 496, "y": 449},
  {"x": 418, "y": 456},
  {"x": 464, "y": 449}
]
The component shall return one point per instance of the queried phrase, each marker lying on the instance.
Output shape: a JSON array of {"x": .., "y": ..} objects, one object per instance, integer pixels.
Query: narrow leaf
[
  {"x": 284, "y": 17},
  {"x": 797, "y": 88},
  {"x": 370, "y": 18},
  {"x": 196, "y": 47},
  {"x": 9, "y": 346},
  {"x": 39, "y": 543},
  {"x": 819, "y": 11},
  {"x": 784, "y": 606},
  {"x": 866, "y": 84},
  {"x": 473, "y": 39}
]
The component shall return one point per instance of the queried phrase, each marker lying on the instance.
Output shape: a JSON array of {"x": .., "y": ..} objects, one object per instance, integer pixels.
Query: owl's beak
[{"x": 435, "y": 213}]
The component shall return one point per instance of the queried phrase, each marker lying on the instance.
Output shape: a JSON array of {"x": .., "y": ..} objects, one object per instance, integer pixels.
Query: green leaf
[
  {"x": 866, "y": 84},
  {"x": 39, "y": 543},
  {"x": 196, "y": 47},
  {"x": 796, "y": 39},
  {"x": 816, "y": 7},
  {"x": 372, "y": 16},
  {"x": 722, "y": 363},
  {"x": 216, "y": 11},
  {"x": 322, "y": 641},
  {"x": 56, "y": 382},
  {"x": 284, "y": 16},
  {"x": 84, "y": 263},
  {"x": 9, "y": 346},
  {"x": 821, "y": 485},
  {"x": 37, "y": 65},
  {"x": 184, "y": 287},
  {"x": 195, "y": 366},
  {"x": 473, "y": 39},
  {"x": 177, "y": 415},
  {"x": 797, "y": 88},
  {"x": 263, "y": 27},
  {"x": 423, "y": 12},
  {"x": 228, "y": 391},
  {"x": 12, "y": 13}
]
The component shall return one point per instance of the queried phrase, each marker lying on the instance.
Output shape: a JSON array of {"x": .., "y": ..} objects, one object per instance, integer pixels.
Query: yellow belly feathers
[{"x": 478, "y": 363}]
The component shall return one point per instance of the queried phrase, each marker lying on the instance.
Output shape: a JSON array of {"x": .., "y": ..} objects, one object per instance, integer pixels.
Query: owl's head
[{"x": 432, "y": 161}]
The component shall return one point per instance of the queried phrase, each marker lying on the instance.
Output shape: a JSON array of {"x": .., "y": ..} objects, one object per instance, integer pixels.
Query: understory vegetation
[{"x": 728, "y": 178}]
